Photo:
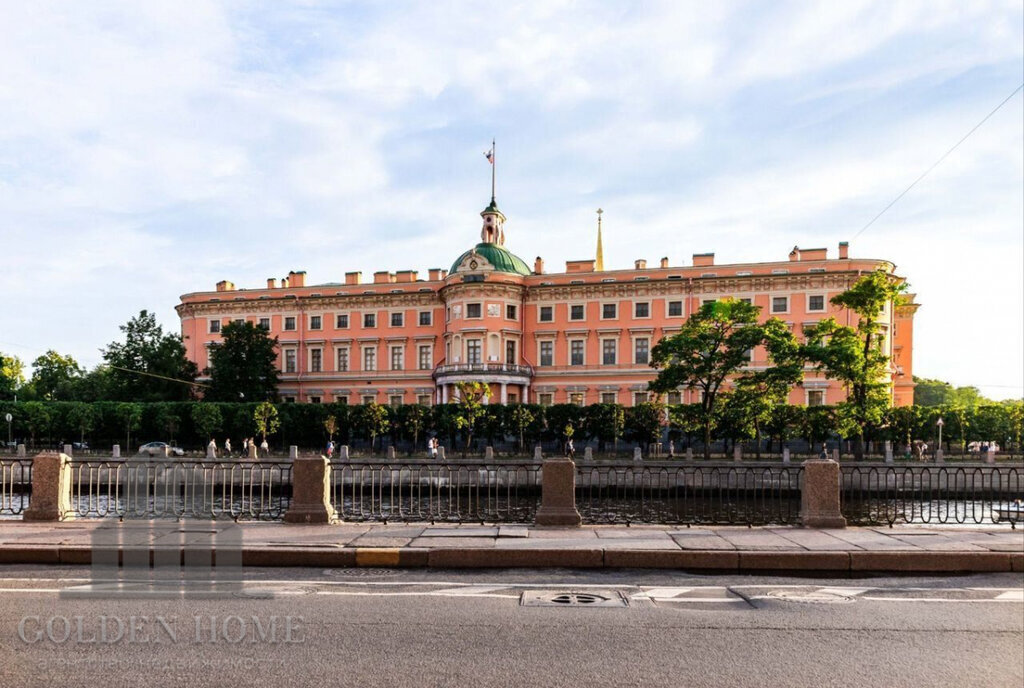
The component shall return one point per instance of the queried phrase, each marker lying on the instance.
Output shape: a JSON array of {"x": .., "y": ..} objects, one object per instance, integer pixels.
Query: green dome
[{"x": 502, "y": 260}]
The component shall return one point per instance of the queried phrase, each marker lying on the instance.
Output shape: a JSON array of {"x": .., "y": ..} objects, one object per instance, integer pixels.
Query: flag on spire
[{"x": 490, "y": 155}]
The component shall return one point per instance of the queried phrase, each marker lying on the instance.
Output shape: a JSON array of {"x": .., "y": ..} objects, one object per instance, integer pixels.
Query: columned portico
[{"x": 501, "y": 374}]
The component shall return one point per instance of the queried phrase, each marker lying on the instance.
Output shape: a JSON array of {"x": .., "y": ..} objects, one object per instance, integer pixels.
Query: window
[
  {"x": 423, "y": 399},
  {"x": 214, "y": 326},
  {"x": 609, "y": 311},
  {"x": 315, "y": 322},
  {"x": 397, "y": 358},
  {"x": 675, "y": 309},
  {"x": 369, "y": 359},
  {"x": 474, "y": 310},
  {"x": 780, "y": 271},
  {"x": 576, "y": 312},
  {"x": 780, "y": 304},
  {"x": 265, "y": 324},
  {"x": 369, "y": 398},
  {"x": 576, "y": 398},
  {"x": 510, "y": 352},
  {"x": 642, "y": 310},
  {"x": 746, "y": 300},
  {"x": 675, "y": 398},
  {"x": 289, "y": 400},
  {"x": 639, "y": 398},
  {"x": 424, "y": 357},
  {"x": 395, "y": 400},
  {"x": 316, "y": 360},
  {"x": 426, "y": 318},
  {"x": 341, "y": 321},
  {"x": 607, "y": 397},
  {"x": 397, "y": 319},
  {"x": 513, "y": 398},
  {"x": 342, "y": 360},
  {"x": 748, "y": 355},
  {"x": 545, "y": 399},
  {"x": 642, "y": 351},
  {"x": 816, "y": 303},
  {"x": 289, "y": 360},
  {"x": 815, "y": 397},
  {"x": 474, "y": 351},
  {"x": 608, "y": 352},
  {"x": 341, "y": 399},
  {"x": 239, "y": 321},
  {"x": 707, "y": 301},
  {"x": 289, "y": 323},
  {"x": 576, "y": 352},
  {"x": 511, "y": 312},
  {"x": 547, "y": 353},
  {"x": 546, "y": 313},
  {"x": 369, "y": 320},
  {"x": 314, "y": 400}
]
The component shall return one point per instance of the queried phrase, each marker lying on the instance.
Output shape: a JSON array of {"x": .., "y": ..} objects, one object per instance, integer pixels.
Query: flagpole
[{"x": 494, "y": 164}]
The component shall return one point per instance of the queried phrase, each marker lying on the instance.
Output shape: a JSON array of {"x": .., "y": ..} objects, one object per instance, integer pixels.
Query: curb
[{"x": 849, "y": 563}]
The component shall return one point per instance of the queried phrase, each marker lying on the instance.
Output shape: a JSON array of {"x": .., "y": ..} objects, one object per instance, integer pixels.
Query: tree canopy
[
  {"x": 148, "y": 365},
  {"x": 243, "y": 366}
]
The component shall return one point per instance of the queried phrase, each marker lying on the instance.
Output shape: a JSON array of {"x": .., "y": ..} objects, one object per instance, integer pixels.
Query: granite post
[
  {"x": 537, "y": 454},
  {"x": 888, "y": 451},
  {"x": 819, "y": 498},
  {"x": 588, "y": 453},
  {"x": 115, "y": 451},
  {"x": 737, "y": 452},
  {"x": 785, "y": 455},
  {"x": 311, "y": 491},
  {"x": 558, "y": 494},
  {"x": 51, "y": 488},
  {"x": 293, "y": 452}
]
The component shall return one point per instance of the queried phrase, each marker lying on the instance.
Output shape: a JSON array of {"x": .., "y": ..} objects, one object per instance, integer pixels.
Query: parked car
[
  {"x": 161, "y": 449},
  {"x": 84, "y": 446}
]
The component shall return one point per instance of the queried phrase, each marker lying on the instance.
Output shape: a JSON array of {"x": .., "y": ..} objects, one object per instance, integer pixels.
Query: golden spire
[{"x": 600, "y": 249}]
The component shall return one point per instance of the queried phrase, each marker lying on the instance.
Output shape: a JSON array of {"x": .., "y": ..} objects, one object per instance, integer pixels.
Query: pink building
[{"x": 579, "y": 336}]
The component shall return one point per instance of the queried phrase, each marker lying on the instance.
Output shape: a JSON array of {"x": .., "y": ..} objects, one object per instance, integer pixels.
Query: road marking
[
  {"x": 660, "y": 593},
  {"x": 1014, "y": 595}
]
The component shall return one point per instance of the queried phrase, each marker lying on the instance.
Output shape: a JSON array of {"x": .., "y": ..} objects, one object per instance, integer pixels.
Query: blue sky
[{"x": 151, "y": 149}]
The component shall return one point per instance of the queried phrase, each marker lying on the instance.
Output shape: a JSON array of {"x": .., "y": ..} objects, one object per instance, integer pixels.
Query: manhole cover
[
  {"x": 572, "y": 598},
  {"x": 811, "y": 596},
  {"x": 363, "y": 572}
]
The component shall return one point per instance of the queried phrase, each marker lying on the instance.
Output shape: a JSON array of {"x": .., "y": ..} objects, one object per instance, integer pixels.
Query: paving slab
[
  {"x": 376, "y": 541},
  {"x": 703, "y": 542},
  {"x": 632, "y": 533},
  {"x": 814, "y": 540},
  {"x": 758, "y": 540},
  {"x": 459, "y": 532},
  {"x": 558, "y": 533},
  {"x": 432, "y": 542},
  {"x": 867, "y": 539},
  {"x": 513, "y": 532},
  {"x": 938, "y": 543}
]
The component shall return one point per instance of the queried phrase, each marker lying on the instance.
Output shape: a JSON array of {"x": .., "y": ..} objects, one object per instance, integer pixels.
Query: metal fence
[
  {"x": 15, "y": 486},
  {"x": 688, "y": 494},
  {"x": 142, "y": 489},
  {"x": 877, "y": 495},
  {"x": 460, "y": 492}
]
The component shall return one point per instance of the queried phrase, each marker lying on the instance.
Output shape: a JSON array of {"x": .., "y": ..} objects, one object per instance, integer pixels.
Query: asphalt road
[{"x": 293, "y": 627}]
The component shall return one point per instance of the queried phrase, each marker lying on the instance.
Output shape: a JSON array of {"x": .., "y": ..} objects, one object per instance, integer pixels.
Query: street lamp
[
  {"x": 940, "y": 423},
  {"x": 9, "y": 418}
]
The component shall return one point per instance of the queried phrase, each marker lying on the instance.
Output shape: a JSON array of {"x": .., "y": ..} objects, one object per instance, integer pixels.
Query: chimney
[
  {"x": 405, "y": 276},
  {"x": 382, "y": 277},
  {"x": 640, "y": 264},
  {"x": 271, "y": 283},
  {"x": 703, "y": 260},
  {"x": 284, "y": 282},
  {"x": 794, "y": 255},
  {"x": 844, "y": 250},
  {"x": 538, "y": 266},
  {"x": 435, "y": 274},
  {"x": 225, "y": 285},
  {"x": 297, "y": 279},
  {"x": 353, "y": 277},
  {"x": 664, "y": 262}
]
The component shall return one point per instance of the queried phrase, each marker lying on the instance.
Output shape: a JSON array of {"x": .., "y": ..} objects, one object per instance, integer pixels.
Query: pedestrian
[
  {"x": 264, "y": 448},
  {"x": 227, "y": 447},
  {"x": 245, "y": 446},
  {"x": 570, "y": 450},
  {"x": 211, "y": 448},
  {"x": 330, "y": 449}
]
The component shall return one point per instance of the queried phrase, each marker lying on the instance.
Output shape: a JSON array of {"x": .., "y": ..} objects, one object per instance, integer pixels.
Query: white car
[{"x": 161, "y": 449}]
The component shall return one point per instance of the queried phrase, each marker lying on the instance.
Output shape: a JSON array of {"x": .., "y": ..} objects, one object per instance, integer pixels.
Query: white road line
[{"x": 1015, "y": 595}]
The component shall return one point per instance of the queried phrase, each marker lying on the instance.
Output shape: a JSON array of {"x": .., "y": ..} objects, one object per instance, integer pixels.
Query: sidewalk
[{"x": 706, "y": 549}]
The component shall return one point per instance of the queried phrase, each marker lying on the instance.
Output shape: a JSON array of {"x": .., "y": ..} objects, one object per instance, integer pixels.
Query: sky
[{"x": 148, "y": 150}]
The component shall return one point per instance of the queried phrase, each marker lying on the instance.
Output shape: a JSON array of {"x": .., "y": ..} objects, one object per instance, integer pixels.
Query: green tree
[
  {"x": 207, "y": 419},
  {"x": 167, "y": 421},
  {"x": 266, "y": 419},
  {"x": 82, "y": 417},
  {"x": 520, "y": 418},
  {"x": 129, "y": 414},
  {"x": 414, "y": 417},
  {"x": 243, "y": 366},
  {"x": 686, "y": 419},
  {"x": 54, "y": 377},
  {"x": 643, "y": 422},
  {"x": 373, "y": 420},
  {"x": 37, "y": 418},
  {"x": 928, "y": 392},
  {"x": 855, "y": 355},
  {"x": 12, "y": 376},
  {"x": 783, "y": 423},
  {"x": 606, "y": 422},
  {"x": 713, "y": 346},
  {"x": 148, "y": 365},
  {"x": 469, "y": 408}
]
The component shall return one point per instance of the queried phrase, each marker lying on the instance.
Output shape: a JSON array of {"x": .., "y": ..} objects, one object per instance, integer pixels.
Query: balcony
[{"x": 483, "y": 372}]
